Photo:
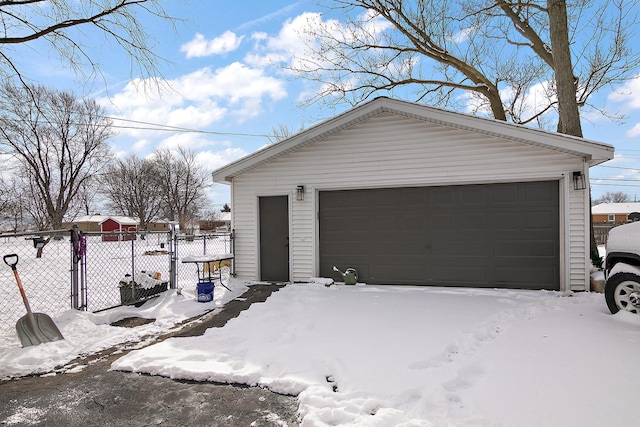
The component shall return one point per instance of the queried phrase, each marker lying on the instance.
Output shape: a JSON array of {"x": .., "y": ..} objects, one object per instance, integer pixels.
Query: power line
[
  {"x": 168, "y": 128},
  {"x": 619, "y": 167},
  {"x": 149, "y": 126},
  {"x": 617, "y": 179},
  {"x": 614, "y": 185}
]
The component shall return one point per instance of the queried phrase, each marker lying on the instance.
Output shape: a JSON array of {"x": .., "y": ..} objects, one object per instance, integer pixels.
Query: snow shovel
[{"x": 32, "y": 328}]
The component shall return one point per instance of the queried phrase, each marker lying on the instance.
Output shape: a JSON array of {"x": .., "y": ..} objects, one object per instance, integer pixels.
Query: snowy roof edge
[{"x": 616, "y": 208}]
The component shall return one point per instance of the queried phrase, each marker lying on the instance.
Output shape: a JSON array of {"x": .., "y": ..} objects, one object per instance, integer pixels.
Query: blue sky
[{"x": 223, "y": 84}]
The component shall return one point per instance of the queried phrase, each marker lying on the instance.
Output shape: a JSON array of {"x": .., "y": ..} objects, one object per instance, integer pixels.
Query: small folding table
[{"x": 204, "y": 274}]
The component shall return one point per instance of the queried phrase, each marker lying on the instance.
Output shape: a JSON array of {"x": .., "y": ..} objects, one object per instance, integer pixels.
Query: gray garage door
[{"x": 486, "y": 235}]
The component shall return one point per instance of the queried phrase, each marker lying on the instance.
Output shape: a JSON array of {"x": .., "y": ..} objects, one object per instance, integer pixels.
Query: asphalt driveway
[{"x": 95, "y": 396}]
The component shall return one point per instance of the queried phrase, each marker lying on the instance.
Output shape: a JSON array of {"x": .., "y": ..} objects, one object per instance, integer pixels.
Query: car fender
[{"x": 623, "y": 267}]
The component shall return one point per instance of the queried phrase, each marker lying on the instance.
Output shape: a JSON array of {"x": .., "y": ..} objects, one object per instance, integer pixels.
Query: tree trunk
[
  {"x": 497, "y": 107},
  {"x": 569, "y": 121}
]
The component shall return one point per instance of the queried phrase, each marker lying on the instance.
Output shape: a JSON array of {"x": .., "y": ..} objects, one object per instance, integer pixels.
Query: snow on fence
[{"x": 49, "y": 279}]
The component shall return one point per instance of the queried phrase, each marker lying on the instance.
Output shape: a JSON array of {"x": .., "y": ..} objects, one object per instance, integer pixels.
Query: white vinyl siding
[
  {"x": 578, "y": 218},
  {"x": 389, "y": 150}
]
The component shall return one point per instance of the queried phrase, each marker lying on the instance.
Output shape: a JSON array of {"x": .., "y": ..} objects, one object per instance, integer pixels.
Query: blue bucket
[{"x": 205, "y": 291}]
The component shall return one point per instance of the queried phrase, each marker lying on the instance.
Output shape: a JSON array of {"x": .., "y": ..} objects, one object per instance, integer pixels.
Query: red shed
[{"x": 117, "y": 225}]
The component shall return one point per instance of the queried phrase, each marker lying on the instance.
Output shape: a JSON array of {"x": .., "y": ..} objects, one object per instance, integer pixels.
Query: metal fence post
[
  {"x": 232, "y": 248},
  {"x": 75, "y": 303},
  {"x": 173, "y": 255},
  {"x": 78, "y": 269}
]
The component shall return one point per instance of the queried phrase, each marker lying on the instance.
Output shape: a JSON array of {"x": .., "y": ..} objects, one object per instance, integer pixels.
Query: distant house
[
  {"x": 101, "y": 223},
  {"x": 216, "y": 222},
  {"x": 615, "y": 213},
  {"x": 90, "y": 223},
  {"x": 106, "y": 223},
  {"x": 119, "y": 226},
  {"x": 158, "y": 225}
]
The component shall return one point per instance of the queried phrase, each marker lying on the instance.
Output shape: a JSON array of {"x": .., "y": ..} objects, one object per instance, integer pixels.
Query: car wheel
[{"x": 622, "y": 292}]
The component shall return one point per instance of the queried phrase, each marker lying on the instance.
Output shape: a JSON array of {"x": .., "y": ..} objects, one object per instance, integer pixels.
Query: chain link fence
[
  {"x": 44, "y": 262},
  {"x": 67, "y": 269}
]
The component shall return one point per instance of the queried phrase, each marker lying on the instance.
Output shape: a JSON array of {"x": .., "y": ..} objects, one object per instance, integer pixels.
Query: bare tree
[
  {"x": 183, "y": 182},
  {"x": 613, "y": 197},
  {"x": 87, "y": 200},
  {"x": 65, "y": 28},
  {"x": 132, "y": 188},
  {"x": 282, "y": 132},
  {"x": 13, "y": 205},
  {"x": 59, "y": 141},
  {"x": 494, "y": 54}
]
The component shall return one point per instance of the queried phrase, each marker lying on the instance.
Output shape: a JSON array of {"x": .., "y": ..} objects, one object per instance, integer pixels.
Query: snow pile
[
  {"x": 87, "y": 333},
  {"x": 141, "y": 280}
]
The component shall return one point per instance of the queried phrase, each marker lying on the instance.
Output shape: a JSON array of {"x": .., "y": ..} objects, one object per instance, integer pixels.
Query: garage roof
[
  {"x": 122, "y": 220},
  {"x": 593, "y": 152}
]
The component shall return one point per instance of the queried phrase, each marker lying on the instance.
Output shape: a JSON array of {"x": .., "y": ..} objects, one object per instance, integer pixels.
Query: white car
[{"x": 622, "y": 268}]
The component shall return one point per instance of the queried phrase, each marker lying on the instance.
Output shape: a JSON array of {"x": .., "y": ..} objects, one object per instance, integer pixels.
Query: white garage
[{"x": 409, "y": 194}]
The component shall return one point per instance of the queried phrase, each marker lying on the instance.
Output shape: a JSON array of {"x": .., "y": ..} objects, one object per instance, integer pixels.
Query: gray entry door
[
  {"x": 274, "y": 238},
  {"x": 485, "y": 235}
]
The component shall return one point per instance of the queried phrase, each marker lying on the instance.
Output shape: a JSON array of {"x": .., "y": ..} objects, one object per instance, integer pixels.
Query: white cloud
[
  {"x": 232, "y": 83},
  {"x": 213, "y": 160},
  {"x": 627, "y": 97},
  {"x": 199, "y": 46},
  {"x": 535, "y": 100},
  {"x": 142, "y": 93},
  {"x": 592, "y": 116},
  {"x": 141, "y": 145},
  {"x": 258, "y": 36},
  {"x": 296, "y": 42},
  {"x": 195, "y": 100},
  {"x": 281, "y": 48},
  {"x": 189, "y": 141},
  {"x": 628, "y": 94},
  {"x": 634, "y": 131},
  {"x": 539, "y": 95},
  {"x": 462, "y": 36},
  {"x": 373, "y": 23},
  {"x": 297, "y": 48}
]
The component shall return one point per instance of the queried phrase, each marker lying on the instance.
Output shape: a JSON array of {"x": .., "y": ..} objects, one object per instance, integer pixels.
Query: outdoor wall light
[
  {"x": 300, "y": 192},
  {"x": 579, "y": 182}
]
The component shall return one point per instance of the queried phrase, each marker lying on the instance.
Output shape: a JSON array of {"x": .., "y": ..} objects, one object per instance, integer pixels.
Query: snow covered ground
[
  {"x": 86, "y": 333},
  {"x": 390, "y": 355}
]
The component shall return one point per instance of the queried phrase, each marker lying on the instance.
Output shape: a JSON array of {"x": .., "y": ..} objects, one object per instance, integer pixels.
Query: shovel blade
[{"x": 37, "y": 328}]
